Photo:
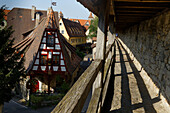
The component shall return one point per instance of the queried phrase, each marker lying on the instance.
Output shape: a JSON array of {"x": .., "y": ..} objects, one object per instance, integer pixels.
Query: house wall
[
  {"x": 149, "y": 41},
  {"x": 62, "y": 27},
  {"x": 77, "y": 40}
]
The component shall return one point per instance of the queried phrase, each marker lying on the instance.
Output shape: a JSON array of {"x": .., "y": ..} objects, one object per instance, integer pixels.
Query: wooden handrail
[{"x": 75, "y": 98}]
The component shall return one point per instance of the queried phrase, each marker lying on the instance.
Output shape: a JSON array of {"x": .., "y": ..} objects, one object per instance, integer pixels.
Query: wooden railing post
[
  {"x": 101, "y": 40},
  {"x": 111, "y": 35},
  {"x": 101, "y": 44}
]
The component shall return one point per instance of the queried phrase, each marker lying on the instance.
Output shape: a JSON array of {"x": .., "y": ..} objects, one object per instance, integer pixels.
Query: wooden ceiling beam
[
  {"x": 138, "y": 12},
  {"x": 120, "y": 14},
  {"x": 138, "y": 7},
  {"x": 143, "y": 1}
]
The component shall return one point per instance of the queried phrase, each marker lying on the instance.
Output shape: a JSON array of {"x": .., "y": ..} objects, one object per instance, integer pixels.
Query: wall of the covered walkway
[{"x": 149, "y": 41}]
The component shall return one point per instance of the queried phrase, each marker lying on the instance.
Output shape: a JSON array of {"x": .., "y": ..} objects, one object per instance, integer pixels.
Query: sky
[{"x": 69, "y": 8}]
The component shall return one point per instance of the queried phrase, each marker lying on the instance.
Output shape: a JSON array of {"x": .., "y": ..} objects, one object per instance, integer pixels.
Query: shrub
[{"x": 45, "y": 100}]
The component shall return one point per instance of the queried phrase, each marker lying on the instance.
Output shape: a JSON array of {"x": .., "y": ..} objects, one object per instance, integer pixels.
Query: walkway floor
[{"x": 127, "y": 91}]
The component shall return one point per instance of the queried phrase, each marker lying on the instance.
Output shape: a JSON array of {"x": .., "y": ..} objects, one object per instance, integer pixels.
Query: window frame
[
  {"x": 52, "y": 37},
  {"x": 56, "y": 60},
  {"x": 44, "y": 60}
]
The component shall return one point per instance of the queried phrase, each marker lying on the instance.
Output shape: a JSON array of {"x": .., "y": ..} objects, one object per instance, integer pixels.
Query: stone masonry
[{"x": 149, "y": 41}]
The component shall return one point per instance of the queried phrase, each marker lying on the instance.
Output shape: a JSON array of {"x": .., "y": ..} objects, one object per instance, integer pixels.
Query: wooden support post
[
  {"x": 101, "y": 44},
  {"x": 101, "y": 40},
  {"x": 111, "y": 35}
]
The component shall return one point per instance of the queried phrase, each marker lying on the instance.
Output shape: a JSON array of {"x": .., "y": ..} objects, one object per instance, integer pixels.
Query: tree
[
  {"x": 93, "y": 28},
  {"x": 11, "y": 63}
]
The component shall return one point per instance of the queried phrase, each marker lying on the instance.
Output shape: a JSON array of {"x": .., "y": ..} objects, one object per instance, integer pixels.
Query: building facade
[{"x": 72, "y": 31}]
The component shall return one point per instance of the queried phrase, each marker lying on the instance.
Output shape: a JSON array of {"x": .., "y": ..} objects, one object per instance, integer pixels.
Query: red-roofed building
[
  {"x": 84, "y": 23},
  {"x": 6, "y": 12},
  {"x": 46, "y": 52}
]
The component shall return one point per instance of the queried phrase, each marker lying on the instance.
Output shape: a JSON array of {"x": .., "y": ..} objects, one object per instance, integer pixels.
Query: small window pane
[
  {"x": 43, "y": 60},
  {"x": 50, "y": 40},
  {"x": 56, "y": 60}
]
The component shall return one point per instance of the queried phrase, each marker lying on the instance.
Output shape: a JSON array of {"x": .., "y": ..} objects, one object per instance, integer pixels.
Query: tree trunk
[{"x": 1, "y": 108}]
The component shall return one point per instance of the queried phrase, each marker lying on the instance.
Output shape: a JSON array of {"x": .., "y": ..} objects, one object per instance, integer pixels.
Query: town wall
[{"x": 149, "y": 43}]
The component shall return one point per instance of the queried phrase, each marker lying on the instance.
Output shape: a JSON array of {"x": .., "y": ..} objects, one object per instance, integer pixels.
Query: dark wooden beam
[
  {"x": 137, "y": 12},
  {"x": 143, "y": 1},
  {"x": 120, "y": 14},
  {"x": 138, "y": 7}
]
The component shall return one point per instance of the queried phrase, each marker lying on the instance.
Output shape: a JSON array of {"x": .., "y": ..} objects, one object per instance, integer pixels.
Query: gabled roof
[
  {"x": 30, "y": 44},
  {"x": 20, "y": 19},
  {"x": 82, "y": 22},
  {"x": 71, "y": 61},
  {"x": 74, "y": 29}
]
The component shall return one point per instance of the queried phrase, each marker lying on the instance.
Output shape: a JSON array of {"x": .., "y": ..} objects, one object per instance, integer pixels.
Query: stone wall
[{"x": 149, "y": 42}]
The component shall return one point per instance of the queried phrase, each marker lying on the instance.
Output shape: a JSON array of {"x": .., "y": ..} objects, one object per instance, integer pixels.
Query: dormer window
[
  {"x": 50, "y": 40},
  {"x": 87, "y": 24}
]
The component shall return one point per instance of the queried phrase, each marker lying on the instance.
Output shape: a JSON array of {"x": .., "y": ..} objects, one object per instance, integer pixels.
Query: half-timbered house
[{"x": 48, "y": 55}]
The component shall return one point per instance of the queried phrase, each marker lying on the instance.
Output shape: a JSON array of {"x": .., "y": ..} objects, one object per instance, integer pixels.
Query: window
[
  {"x": 56, "y": 60},
  {"x": 60, "y": 24},
  {"x": 49, "y": 61},
  {"x": 50, "y": 40},
  {"x": 79, "y": 40},
  {"x": 49, "y": 58},
  {"x": 62, "y": 31},
  {"x": 43, "y": 59},
  {"x": 72, "y": 40},
  {"x": 87, "y": 24}
]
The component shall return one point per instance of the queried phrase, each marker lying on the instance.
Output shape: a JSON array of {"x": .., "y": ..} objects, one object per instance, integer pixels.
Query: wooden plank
[
  {"x": 107, "y": 78},
  {"x": 95, "y": 100},
  {"x": 74, "y": 100},
  {"x": 138, "y": 7},
  {"x": 120, "y": 14},
  {"x": 134, "y": 11},
  {"x": 106, "y": 69},
  {"x": 144, "y": 1},
  {"x": 108, "y": 49}
]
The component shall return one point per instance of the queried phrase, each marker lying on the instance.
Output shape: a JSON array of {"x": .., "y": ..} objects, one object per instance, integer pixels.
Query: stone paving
[{"x": 131, "y": 94}]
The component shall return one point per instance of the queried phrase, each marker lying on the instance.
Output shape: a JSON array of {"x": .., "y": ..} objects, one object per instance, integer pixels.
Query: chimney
[
  {"x": 33, "y": 13},
  {"x": 37, "y": 19}
]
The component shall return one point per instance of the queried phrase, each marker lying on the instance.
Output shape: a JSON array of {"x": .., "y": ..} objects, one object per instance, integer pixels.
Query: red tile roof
[
  {"x": 6, "y": 12},
  {"x": 82, "y": 22}
]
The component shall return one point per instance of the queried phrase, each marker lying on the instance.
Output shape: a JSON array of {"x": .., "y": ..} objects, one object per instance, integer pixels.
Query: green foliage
[
  {"x": 10, "y": 68},
  {"x": 64, "y": 87},
  {"x": 45, "y": 100},
  {"x": 59, "y": 80},
  {"x": 37, "y": 100},
  {"x": 80, "y": 54},
  {"x": 93, "y": 28}
]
